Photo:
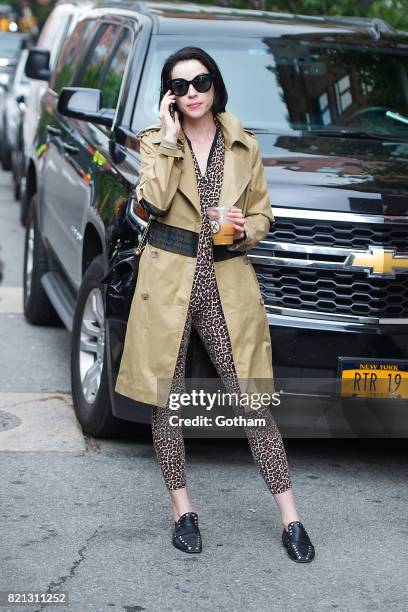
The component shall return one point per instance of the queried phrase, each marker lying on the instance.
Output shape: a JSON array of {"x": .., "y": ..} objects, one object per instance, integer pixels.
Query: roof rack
[{"x": 374, "y": 24}]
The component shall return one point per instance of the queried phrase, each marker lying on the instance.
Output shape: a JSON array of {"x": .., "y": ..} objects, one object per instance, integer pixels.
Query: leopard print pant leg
[
  {"x": 168, "y": 439},
  {"x": 265, "y": 440}
]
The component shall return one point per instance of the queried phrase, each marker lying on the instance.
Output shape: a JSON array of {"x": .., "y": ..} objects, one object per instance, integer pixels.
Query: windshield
[
  {"x": 9, "y": 45},
  {"x": 286, "y": 85}
]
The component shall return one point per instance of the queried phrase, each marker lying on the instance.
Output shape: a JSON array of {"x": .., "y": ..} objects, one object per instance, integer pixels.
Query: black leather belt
[{"x": 183, "y": 242}]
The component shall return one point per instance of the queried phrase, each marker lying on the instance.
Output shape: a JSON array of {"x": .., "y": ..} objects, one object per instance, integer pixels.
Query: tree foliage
[
  {"x": 393, "y": 11},
  {"x": 39, "y": 10}
]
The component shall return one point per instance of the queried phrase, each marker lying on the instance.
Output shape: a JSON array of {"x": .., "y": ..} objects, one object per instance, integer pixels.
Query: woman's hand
[
  {"x": 171, "y": 128},
  {"x": 235, "y": 215}
]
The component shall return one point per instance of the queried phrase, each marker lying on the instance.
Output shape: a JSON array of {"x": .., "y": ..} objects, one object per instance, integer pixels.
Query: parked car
[
  {"x": 55, "y": 31},
  {"x": 11, "y": 47},
  {"x": 328, "y": 102},
  {"x": 16, "y": 105},
  {"x": 11, "y": 114}
]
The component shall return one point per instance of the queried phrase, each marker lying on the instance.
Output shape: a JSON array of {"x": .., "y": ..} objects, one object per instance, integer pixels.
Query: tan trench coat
[{"x": 159, "y": 307}]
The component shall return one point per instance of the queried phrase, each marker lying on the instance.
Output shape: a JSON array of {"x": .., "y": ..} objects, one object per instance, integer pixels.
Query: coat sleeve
[
  {"x": 259, "y": 216},
  {"x": 159, "y": 175}
]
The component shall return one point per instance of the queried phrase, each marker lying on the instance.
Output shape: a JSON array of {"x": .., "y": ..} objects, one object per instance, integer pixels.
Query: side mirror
[
  {"x": 38, "y": 64},
  {"x": 84, "y": 103}
]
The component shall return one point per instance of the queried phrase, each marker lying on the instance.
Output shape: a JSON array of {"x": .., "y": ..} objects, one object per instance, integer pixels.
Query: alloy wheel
[
  {"x": 92, "y": 345},
  {"x": 29, "y": 259}
]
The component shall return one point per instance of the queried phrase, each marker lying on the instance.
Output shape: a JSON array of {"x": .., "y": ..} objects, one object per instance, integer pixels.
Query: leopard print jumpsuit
[{"x": 206, "y": 315}]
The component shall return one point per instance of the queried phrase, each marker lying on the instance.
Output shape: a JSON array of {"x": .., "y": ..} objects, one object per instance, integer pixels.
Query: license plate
[{"x": 373, "y": 378}]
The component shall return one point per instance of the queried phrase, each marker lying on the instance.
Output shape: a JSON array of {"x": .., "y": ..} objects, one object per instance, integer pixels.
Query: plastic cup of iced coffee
[{"x": 222, "y": 227}]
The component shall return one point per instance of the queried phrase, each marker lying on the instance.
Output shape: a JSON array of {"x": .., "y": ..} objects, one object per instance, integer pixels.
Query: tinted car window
[
  {"x": 285, "y": 85},
  {"x": 71, "y": 53},
  {"x": 115, "y": 70},
  {"x": 93, "y": 68},
  {"x": 11, "y": 44}
]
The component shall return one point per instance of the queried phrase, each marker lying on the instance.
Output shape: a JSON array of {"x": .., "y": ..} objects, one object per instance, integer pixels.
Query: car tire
[
  {"x": 6, "y": 159},
  {"x": 17, "y": 193},
  {"x": 16, "y": 183},
  {"x": 89, "y": 372},
  {"x": 24, "y": 202},
  {"x": 38, "y": 309},
  {"x": 5, "y": 153}
]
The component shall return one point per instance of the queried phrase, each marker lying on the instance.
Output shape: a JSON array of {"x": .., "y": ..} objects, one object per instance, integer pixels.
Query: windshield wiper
[
  {"x": 353, "y": 134},
  {"x": 342, "y": 133},
  {"x": 396, "y": 116},
  {"x": 257, "y": 130}
]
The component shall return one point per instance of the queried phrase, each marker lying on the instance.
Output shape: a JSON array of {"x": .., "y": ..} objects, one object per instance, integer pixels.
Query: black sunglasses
[{"x": 202, "y": 82}]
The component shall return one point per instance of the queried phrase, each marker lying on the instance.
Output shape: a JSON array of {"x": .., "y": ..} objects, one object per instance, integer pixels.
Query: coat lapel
[
  {"x": 237, "y": 167},
  {"x": 237, "y": 174},
  {"x": 188, "y": 180}
]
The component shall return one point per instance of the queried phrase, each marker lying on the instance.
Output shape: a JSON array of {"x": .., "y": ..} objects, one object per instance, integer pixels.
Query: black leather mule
[
  {"x": 186, "y": 534},
  {"x": 297, "y": 543}
]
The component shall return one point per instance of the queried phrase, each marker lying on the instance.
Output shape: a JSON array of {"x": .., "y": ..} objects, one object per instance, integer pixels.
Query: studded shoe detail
[
  {"x": 186, "y": 534},
  {"x": 297, "y": 543}
]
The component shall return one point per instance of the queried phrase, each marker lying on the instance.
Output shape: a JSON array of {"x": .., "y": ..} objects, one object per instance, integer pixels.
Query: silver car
[
  {"x": 12, "y": 106},
  {"x": 55, "y": 31}
]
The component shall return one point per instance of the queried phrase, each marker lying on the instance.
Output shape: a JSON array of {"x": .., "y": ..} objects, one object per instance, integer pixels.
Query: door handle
[
  {"x": 52, "y": 130},
  {"x": 70, "y": 148},
  {"x": 141, "y": 223}
]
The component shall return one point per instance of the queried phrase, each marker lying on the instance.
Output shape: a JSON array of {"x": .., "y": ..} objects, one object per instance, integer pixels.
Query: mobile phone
[{"x": 171, "y": 110}]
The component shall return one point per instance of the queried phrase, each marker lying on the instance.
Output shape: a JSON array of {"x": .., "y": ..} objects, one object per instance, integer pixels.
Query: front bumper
[{"x": 305, "y": 362}]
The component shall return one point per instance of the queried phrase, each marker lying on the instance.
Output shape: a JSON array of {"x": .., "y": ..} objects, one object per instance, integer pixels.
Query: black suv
[{"x": 328, "y": 101}]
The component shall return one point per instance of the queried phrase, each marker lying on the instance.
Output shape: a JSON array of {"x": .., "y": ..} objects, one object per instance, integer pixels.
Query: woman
[{"x": 201, "y": 156}]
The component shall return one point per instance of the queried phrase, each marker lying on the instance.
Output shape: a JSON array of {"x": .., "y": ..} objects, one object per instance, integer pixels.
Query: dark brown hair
[{"x": 187, "y": 53}]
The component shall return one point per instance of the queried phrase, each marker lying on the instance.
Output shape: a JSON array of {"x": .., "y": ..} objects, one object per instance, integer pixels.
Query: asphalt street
[{"x": 92, "y": 517}]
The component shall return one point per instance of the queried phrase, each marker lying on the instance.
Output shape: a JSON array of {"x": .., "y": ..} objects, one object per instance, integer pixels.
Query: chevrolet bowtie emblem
[{"x": 377, "y": 261}]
